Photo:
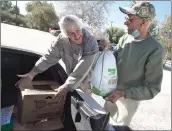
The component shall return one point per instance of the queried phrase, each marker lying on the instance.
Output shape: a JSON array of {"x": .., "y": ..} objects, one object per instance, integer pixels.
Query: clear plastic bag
[{"x": 104, "y": 76}]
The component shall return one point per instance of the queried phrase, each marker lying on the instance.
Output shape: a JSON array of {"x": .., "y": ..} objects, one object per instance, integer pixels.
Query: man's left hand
[
  {"x": 114, "y": 96},
  {"x": 61, "y": 93}
]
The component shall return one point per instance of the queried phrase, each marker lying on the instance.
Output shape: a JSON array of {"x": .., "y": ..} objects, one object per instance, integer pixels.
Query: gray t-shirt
[{"x": 78, "y": 58}]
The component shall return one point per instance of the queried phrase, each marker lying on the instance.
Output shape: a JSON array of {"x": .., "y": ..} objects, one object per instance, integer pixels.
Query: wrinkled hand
[
  {"x": 26, "y": 79},
  {"x": 61, "y": 93},
  {"x": 114, "y": 96}
]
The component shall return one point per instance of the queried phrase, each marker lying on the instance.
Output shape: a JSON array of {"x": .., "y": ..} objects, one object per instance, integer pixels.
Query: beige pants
[{"x": 121, "y": 112}]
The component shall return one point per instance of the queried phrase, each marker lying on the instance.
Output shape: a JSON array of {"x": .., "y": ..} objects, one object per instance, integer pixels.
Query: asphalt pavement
[{"x": 155, "y": 114}]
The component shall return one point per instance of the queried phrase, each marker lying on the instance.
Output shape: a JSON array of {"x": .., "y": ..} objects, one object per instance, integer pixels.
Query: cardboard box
[
  {"x": 35, "y": 102},
  {"x": 49, "y": 125}
]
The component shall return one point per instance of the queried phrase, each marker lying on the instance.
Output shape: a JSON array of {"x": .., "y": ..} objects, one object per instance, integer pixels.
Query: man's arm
[
  {"x": 49, "y": 59},
  {"x": 80, "y": 72},
  {"x": 83, "y": 67},
  {"x": 46, "y": 61},
  {"x": 153, "y": 78}
]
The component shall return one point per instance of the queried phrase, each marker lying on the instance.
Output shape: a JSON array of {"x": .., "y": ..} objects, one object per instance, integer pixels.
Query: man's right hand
[{"x": 25, "y": 79}]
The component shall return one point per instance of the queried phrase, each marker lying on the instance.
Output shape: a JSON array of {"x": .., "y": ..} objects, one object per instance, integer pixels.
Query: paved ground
[{"x": 156, "y": 114}]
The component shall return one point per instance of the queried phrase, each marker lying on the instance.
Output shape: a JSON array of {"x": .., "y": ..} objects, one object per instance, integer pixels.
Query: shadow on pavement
[
  {"x": 168, "y": 68},
  {"x": 122, "y": 128}
]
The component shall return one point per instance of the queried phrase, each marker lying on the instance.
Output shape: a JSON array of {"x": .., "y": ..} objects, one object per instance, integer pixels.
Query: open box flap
[
  {"x": 44, "y": 83},
  {"x": 40, "y": 86}
]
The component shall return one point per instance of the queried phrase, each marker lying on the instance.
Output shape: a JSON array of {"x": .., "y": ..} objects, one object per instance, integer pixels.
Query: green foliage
[
  {"x": 9, "y": 18},
  {"x": 11, "y": 14},
  {"x": 114, "y": 34},
  {"x": 94, "y": 13},
  {"x": 6, "y": 16},
  {"x": 164, "y": 34},
  {"x": 6, "y": 5},
  {"x": 153, "y": 28},
  {"x": 41, "y": 15},
  {"x": 15, "y": 10}
]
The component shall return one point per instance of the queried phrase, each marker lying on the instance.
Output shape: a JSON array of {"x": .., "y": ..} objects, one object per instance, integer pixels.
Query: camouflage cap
[{"x": 141, "y": 9}]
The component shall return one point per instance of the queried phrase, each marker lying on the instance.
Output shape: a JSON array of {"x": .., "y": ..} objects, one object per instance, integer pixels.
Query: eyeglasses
[
  {"x": 131, "y": 20},
  {"x": 72, "y": 34}
]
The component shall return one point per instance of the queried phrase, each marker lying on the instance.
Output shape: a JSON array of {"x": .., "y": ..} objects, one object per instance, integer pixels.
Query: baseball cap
[{"x": 141, "y": 9}]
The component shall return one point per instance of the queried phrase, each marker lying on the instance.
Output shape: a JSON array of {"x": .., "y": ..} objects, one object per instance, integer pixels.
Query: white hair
[
  {"x": 68, "y": 22},
  {"x": 105, "y": 42}
]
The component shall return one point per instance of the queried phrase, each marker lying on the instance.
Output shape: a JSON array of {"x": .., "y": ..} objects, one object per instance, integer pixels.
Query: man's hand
[
  {"x": 114, "y": 96},
  {"x": 26, "y": 79},
  {"x": 61, "y": 93}
]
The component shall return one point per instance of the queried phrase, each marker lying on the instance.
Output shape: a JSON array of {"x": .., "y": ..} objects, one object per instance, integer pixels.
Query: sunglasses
[{"x": 131, "y": 20}]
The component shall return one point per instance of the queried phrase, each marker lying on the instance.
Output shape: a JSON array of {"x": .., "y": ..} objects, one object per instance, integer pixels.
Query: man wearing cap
[{"x": 139, "y": 62}]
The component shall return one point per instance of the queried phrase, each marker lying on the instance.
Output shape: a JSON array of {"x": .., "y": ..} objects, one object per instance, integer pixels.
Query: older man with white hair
[
  {"x": 76, "y": 47},
  {"x": 139, "y": 63}
]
